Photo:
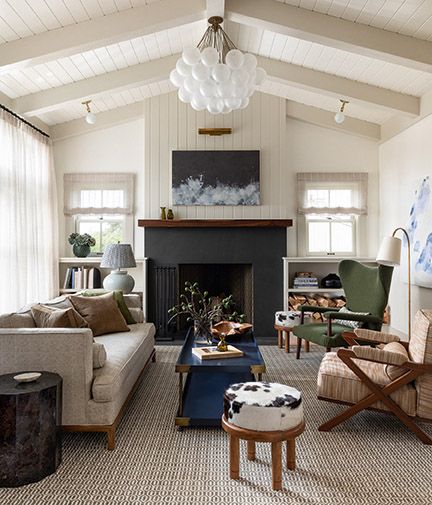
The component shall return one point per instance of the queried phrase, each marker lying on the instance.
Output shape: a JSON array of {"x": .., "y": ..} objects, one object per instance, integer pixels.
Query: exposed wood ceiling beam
[
  {"x": 331, "y": 31},
  {"x": 126, "y": 78},
  {"x": 158, "y": 70},
  {"x": 339, "y": 87},
  {"x": 104, "y": 120},
  {"x": 99, "y": 32},
  {"x": 324, "y": 118}
]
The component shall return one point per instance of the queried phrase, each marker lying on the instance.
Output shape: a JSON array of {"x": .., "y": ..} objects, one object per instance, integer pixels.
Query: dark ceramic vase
[
  {"x": 331, "y": 281},
  {"x": 81, "y": 251}
]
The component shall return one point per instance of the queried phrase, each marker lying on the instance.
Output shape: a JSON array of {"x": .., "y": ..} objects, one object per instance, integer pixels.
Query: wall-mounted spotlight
[
  {"x": 340, "y": 116},
  {"x": 90, "y": 117}
]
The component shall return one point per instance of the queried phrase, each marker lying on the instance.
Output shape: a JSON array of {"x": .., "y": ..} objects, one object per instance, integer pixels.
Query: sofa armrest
[
  {"x": 377, "y": 337},
  {"x": 379, "y": 355},
  {"x": 67, "y": 352}
]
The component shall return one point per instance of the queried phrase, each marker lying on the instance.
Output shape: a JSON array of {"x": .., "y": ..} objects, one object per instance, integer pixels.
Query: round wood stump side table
[
  {"x": 274, "y": 437},
  {"x": 30, "y": 428}
]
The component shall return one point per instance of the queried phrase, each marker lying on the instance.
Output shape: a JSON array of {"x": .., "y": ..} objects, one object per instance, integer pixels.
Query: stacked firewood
[{"x": 317, "y": 300}]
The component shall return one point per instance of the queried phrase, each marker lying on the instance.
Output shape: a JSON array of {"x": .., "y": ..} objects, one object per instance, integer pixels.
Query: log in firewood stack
[{"x": 317, "y": 300}]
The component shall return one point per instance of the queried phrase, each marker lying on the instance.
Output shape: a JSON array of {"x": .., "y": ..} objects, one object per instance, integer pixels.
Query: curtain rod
[{"x": 24, "y": 121}]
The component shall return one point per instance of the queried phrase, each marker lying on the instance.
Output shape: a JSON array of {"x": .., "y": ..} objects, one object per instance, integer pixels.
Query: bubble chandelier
[{"x": 215, "y": 75}]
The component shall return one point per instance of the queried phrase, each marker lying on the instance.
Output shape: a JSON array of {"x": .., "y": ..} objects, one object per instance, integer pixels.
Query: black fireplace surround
[{"x": 263, "y": 248}]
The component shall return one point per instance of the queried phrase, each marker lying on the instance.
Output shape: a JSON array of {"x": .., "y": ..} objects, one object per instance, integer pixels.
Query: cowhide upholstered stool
[
  {"x": 263, "y": 412},
  {"x": 285, "y": 321}
]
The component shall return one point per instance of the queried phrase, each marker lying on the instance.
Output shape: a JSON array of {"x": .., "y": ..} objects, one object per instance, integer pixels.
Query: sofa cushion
[
  {"x": 17, "y": 320},
  {"x": 119, "y": 298},
  {"x": 393, "y": 371},
  {"x": 101, "y": 313},
  {"x": 338, "y": 382},
  {"x": 49, "y": 317},
  {"x": 99, "y": 355},
  {"x": 124, "y": 357}
]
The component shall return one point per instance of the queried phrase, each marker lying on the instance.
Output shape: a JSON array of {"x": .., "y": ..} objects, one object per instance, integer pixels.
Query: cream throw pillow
[
  {"x": 101, "y": 313},
  {"x": 99, "y": 355}
]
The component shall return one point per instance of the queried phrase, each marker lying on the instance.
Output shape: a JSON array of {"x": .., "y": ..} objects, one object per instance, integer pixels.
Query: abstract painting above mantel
[
  {"x": 215, "y": 178},
  {"x": 420, "y": 233}
]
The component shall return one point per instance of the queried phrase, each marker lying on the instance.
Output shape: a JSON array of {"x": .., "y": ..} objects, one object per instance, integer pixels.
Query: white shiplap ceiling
[{"x": 22, "y": 19}]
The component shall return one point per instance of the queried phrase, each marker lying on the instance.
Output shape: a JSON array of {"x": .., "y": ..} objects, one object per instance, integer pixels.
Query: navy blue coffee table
[{"x": 201, "y": 395}]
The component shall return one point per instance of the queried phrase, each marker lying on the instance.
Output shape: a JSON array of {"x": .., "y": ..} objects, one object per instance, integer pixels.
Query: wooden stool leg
[
  {"x": 279, "y": 339},
  {"x": 307, "y": 346},
  {"x": 291, "y": 457},
  {"x": 234, "y": 457},
  {"x": 299, "y": 342},
  {"x": 287, "y": 341},
  {"x": 276, "y": 451},
  {"x": 250, "y": 450}
]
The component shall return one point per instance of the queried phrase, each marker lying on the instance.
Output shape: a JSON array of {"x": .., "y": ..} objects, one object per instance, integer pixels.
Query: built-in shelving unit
[
  {"x": 139, "y": 273},
  {"x": 321, "y": 266}
]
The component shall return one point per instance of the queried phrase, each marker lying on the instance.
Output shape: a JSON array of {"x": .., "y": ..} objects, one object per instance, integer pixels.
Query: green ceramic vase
[{"x": 81, "y": 251}]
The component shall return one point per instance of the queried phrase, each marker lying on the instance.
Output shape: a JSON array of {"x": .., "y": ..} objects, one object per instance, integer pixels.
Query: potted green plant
[
  {"x": 202, "y": 311},
  {"x": 81, "y": 244}
]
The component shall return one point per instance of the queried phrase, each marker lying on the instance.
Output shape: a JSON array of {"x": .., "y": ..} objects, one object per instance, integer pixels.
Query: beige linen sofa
[{"x": 94, "y": 399}]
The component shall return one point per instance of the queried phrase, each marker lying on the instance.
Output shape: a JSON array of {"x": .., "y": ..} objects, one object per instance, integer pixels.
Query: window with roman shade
[
  {"x": 332, "y": 193},
  {"x": 101, "y": 193}
]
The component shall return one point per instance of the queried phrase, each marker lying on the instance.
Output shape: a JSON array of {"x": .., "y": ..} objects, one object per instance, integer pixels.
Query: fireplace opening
[{"x": 220, "y": 280}]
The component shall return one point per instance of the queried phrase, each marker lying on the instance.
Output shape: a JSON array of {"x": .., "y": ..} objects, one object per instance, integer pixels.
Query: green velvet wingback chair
[{"x": 366, "y": 290}]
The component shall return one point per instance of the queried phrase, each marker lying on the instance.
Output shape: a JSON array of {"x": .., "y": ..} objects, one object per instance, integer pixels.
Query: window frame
[{"x": 314, "y": 218}]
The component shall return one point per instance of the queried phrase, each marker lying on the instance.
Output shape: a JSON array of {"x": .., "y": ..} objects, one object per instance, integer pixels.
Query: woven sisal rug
[{"x": 371, "y": 459}]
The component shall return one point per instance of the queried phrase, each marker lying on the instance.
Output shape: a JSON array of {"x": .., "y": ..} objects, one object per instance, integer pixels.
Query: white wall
[
  {"x": 315, "y": 149},
  {"x": 287, "y": 147},
  {"x": 119, "y": 148},
  {"x": 403, "y": 161}
]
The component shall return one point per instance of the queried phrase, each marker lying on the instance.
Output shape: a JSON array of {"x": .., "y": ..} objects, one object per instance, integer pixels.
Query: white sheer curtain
[{"x": 28, "y": 216}]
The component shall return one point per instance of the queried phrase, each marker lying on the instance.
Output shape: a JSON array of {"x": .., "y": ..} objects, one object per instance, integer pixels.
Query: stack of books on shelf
[
  {"x": 82, "y": 278},
  {"x": 305, "y": 280}
]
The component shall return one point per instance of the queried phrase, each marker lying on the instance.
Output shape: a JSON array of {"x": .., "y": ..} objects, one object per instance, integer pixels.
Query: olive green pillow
[{"x": 118, "y": 296}]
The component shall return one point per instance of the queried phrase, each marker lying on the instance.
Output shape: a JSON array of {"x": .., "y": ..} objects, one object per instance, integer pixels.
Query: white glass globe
[
  {"x": 176, "y": 78},
  {"x": 260, "y": 76},
  {"x": 200, "y": 72},
  {"x": 240, "y": 91},
  {"x": 234, "y": 59},
  {"x": 226, "y": 110},
  {"x": 191, "y": 85},
  {"x": 208, "y": 88},
  {"x": 184, "y": 96},
  {"x": 249, "y": 61},
  {"x": 91, "y": 118},
  {"x": 198, "y": 102},
  {"x": 209, "y": 56},
  {"x": 215, "y": 106},
  {"x": 182, "y": 68},
  {"x": 220, "y": 72},
  {"x": 239, "y": 76},
  {"x": 191, "y": 55},
  {"x": 232, "y": 103},
  {"x": 225, "y": 89},
  {"x": 244, "y": 103},
  {"x": 339, "y": 117}
]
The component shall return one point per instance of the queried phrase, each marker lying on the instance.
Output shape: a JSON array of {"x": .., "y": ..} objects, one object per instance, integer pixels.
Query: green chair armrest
[
  {"x": 363, "y": 318},
  {"x": 312, "y": 308}
]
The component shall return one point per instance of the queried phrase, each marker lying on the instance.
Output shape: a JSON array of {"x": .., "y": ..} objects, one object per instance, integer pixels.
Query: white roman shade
[
  {"x": 332, "y": 193},
  {"x": 98, "y": 193}
]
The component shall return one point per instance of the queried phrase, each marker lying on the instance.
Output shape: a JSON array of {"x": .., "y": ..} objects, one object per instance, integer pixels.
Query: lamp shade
[
  {"x": 389, "y": 252},
  {"x": 118, "y": 256}
]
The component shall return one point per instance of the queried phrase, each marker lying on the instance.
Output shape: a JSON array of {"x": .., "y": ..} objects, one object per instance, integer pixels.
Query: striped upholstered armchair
[{"x": 395, "y": 377}]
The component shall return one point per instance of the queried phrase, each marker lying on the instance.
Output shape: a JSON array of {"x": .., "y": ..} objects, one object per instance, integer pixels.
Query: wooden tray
[{"x": 212, "y": 353}]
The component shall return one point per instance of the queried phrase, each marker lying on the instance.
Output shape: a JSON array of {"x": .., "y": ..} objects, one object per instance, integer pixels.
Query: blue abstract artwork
[{"x": 420, "y": 233}]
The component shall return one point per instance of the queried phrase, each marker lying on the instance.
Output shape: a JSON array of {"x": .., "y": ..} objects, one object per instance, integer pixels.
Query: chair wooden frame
[{"x": 378, "y": 393}]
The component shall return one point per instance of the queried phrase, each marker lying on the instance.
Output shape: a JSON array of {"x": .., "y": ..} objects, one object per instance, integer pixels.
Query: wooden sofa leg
[
  {"x": 111, "y": 438},
  {"x": 154, "y": 357}
]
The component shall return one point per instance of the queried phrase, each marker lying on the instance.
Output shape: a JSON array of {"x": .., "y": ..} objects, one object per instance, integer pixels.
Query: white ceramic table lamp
[
  {"x": 118, "y": 256},
  {"x": 390, "y": 254}
]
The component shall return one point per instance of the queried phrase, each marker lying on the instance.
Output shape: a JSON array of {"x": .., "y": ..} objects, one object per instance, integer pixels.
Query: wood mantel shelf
[{"x": 215, "y": 223}]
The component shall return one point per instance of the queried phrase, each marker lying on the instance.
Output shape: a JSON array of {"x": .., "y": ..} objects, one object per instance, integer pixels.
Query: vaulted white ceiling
[{"x": 375, "y": 53}]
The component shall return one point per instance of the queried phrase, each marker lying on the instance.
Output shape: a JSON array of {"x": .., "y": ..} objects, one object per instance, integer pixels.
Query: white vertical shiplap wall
[{"x": 171, "y": 124}]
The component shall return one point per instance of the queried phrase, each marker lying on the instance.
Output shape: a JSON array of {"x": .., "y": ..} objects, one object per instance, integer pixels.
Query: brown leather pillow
[
  {"x": 101, "y": 313},
  {"x": 49, "y": 317}
]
